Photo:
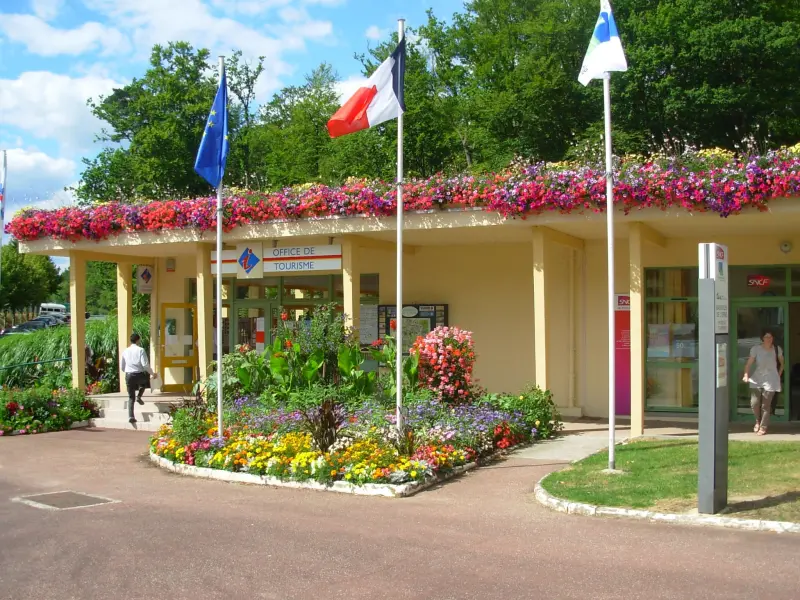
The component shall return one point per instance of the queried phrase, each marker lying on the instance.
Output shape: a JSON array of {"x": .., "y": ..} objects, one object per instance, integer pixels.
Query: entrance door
[
  {"x": 178, "y": 348},
  {"x": 750, "y": 322},
  {"x": 255, "y": 322}
]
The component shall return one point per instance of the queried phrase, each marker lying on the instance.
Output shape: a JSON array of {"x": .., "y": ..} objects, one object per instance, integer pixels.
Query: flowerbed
[
  {"x": 715, "y": 181},
  {"x": 40, "y": 410},
  {"x": 439, "y": 437}
]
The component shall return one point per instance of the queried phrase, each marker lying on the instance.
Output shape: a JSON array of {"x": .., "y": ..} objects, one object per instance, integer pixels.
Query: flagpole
[
  {"x": 612, "y": 401},
  {"x": 3, "y": 210},
  {"x": 220, "y": 216},
  {"x": 401, "y": 31}
]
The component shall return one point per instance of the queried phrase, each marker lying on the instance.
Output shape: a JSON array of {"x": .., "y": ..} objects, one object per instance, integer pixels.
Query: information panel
[{"x": 418, "y": 319}]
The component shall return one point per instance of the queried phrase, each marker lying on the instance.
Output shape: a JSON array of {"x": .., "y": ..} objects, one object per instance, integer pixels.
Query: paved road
[{"x": 481, "y": 536}]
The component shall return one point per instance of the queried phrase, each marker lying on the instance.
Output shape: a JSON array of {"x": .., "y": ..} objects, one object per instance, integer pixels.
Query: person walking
[
  {"x": 765, "y": 381},
  {"x": 136, "y": 366}
]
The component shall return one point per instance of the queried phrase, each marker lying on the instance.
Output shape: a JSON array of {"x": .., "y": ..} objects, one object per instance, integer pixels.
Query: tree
[
  {"x": 101, "y": 290},
  {"x": 242, "y": 78},
  {"x": 154, "y": 125},
  {"x": 27, "y": 279}
]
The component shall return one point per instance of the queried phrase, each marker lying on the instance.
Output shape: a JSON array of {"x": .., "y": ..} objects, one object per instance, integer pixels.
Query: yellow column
[
  {"x": 124, "y": 313},
  {"x": 540, "y": 307},
  {"x": 205, "y": 309},
  {"x": 77, "y": 310},
  {"x": 638, "y": 341},
  {"x": 351, "y": 282}
]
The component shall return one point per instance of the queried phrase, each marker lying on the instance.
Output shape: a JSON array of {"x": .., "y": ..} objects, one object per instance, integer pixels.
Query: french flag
[{"x": 379, "y": 100}]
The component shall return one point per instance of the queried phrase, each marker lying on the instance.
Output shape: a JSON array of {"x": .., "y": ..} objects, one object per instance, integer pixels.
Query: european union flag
[{"x": 213, "y": 152}]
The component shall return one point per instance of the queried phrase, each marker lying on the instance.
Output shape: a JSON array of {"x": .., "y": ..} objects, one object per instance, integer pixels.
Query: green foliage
[
  {"x": 187, "y": 426},
  {"x": 352, "y": 377},
  {"x": 323, "y": 410},
  {"x": 101, "y": 290},
  {"x": 385, "y": 353},
  {"x": 231, "y": 383},
  {"x": 28, "y": 279},
  {"x": 536, "y": 407},
  {"x": 54, "y": 343},
  {"x": 37, "y": 410},
  {"x": 160, "y": 119}
]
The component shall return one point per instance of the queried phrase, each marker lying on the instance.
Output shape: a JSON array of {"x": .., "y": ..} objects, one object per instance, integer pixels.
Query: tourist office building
[{"x": 532, "y": 290}]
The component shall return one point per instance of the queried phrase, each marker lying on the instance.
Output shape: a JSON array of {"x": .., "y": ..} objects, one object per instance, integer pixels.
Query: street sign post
[{"x": 712, "y": 489}]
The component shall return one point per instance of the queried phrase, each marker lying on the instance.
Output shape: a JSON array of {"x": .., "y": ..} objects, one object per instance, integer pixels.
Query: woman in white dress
[{"x": 765, "y": 380}]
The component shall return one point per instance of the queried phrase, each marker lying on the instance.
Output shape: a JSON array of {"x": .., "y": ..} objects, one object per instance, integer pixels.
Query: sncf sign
[{"x": 759, "y": 281}]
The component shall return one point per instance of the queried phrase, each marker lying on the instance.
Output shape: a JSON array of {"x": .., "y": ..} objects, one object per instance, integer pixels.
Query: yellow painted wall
[{"x": 489, "y": 290}]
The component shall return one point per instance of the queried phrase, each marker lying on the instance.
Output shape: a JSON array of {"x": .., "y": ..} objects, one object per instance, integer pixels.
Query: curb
[
  {"x": 590, "y": 510},
  {"x": 386, "y": 490},
  {"x": 74, "y": 425}
]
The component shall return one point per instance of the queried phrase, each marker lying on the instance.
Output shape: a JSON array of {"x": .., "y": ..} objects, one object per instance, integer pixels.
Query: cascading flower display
[
  {"x": 446, "y": 360},
  {"x": 706, "y": 181}
]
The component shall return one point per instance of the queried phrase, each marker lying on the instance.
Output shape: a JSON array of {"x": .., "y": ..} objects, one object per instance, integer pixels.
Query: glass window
[
  {"x": 369, "y": 288},
  {"x": 226, "y": 290},
  {"x": 305, "y": 288},
  {"x": 672, "y": 337},
  {"x": 257, "y": 289},
  {"x": 756, "y": 282},
  {"x": 672, "y": 283}
]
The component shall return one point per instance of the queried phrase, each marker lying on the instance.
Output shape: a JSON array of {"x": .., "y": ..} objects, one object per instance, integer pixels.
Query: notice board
[{"x": 418, "y": 319}]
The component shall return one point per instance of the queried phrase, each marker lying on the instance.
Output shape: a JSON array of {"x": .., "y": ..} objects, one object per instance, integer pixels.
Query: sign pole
[
  {"x": 3, "y": 196},
  {"x": 401, "y": 29},
  {"x": 220, "y": 217},
  {"x": 712, "y": 484},
  {"x": 612, "y": 400}
]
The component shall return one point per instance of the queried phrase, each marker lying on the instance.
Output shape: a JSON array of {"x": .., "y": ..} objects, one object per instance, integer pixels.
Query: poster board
[
  {"x": 368, "y": 326},
  {"x": 418, "y": 319}
]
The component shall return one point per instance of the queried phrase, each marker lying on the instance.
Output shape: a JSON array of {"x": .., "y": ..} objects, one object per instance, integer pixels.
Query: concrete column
[
  {"x": 205, "y": 309},
  {"x": 155, "y": 346},
  {"x": 351, "y": 282},
  {"x": 540, "y": 306},
  {"x": 77, "y": 309},
  {"x": 638, "y": 340},
  {"x": 124, "y": 313}
]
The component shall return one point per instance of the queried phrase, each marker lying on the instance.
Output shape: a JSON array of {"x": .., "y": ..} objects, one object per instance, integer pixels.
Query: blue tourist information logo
[{"x": 248, "y": 260}]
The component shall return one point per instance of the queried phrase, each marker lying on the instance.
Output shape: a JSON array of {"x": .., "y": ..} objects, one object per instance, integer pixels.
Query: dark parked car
[{"x": 23, "y": 328}]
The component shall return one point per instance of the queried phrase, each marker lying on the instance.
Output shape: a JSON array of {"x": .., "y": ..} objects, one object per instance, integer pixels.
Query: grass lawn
[{"x": 661, "y": 475}]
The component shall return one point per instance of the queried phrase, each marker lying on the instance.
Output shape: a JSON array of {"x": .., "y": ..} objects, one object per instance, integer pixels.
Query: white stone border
[
  {"x": 591, "y": 510},
  {"x": 387, "y": 490},
  {"x": 74, "y": 425}
]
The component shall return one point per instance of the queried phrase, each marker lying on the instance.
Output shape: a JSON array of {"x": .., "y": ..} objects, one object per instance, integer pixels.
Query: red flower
[
  {"x": 393, "y": 325},
  {"x": 284, "y": 316},
  {"x": 288, "y": 344},
  {"x": 12, "y": 408}
]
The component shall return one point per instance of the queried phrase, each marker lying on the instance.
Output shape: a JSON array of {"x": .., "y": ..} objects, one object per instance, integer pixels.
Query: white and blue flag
[{"x": 605, "y": 52}]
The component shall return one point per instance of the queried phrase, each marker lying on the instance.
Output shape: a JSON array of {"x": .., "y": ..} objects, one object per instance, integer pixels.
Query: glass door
[
  {"x": 751, "y": 321},
  {"x": 178, "y": 347}
]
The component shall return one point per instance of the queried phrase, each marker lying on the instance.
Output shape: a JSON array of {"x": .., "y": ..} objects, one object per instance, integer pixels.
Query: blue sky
[{"x": 55, "y": 54}]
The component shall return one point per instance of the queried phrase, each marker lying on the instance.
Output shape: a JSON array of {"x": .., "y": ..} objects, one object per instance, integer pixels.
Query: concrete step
[
  {"x": 153, "y": 403},
  {"x": 148, "y": 406},
  {"x": 141, "y": 414},
  {"x": 115, "y": 423}
]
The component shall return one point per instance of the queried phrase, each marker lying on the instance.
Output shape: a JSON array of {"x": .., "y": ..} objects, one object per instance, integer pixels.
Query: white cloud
[
  {"x": 47, "y": 9},
  {"x": 293, "y": 14},
  {"x": 152, "y": 22},
  {"x": 37, "y": 179},
  {"x": 348, "y": 87},
  {"x": 45, "y": 40},
  {"x": 53, "y": 106},
  {"x": 375, "y": 33}
]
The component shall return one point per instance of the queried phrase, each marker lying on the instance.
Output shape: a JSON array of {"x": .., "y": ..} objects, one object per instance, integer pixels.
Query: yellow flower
[
  {"x": 348, "y": 476},
  {"x": 333, "y": 472},
  {"x": 537, "y": 423},
  {"x": 413, "y": 473},
  {"x": 522, "y": 397}
]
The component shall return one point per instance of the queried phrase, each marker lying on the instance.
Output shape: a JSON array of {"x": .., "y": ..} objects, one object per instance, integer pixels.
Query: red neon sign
[{"x": 758, "y": 281}]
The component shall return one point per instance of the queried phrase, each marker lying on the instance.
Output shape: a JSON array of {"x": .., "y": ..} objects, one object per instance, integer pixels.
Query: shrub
[
  {"x": 37, "y": 410},
  {"x": 446, "y": 360},
  {"x": 535, "y": 406},
  {"x": 187, "y": 427},
  {"x": 323, "y": 413}
]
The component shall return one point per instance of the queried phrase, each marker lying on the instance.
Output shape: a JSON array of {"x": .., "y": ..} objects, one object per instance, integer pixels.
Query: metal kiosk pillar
[{"x": 712, "y": 488}]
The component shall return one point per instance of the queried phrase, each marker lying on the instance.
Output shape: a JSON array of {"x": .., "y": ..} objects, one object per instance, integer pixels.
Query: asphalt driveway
[{"x": 480, "y": 536}]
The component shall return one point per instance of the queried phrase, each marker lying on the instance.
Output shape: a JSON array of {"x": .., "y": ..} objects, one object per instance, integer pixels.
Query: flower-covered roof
[{"x": 706, "y": 181}]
